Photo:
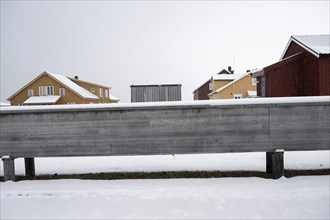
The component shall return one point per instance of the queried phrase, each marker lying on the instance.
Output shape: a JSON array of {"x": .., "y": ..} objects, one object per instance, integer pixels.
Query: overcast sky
[{"x": 148, "y": 42}]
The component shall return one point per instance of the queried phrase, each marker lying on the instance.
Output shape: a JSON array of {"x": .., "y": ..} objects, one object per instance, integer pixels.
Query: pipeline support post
[
  {"x": 8, "y": 168},
  {"x": 29, "y": 167},
  {"x": 275, "y": 163}
]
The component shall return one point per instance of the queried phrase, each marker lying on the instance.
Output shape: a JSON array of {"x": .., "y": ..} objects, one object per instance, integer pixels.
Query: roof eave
[
  {"x": 292, "y": 39},
  {"x": 27, "y": 85},
  {"x": 257, "y": 74}
]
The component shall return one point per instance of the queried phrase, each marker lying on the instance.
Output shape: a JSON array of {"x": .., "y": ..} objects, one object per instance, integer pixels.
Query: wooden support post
[
  {"x": 8, "y": 168},
  {"x": 29, "y": 167},
  {"x": 275, "y": 163}
]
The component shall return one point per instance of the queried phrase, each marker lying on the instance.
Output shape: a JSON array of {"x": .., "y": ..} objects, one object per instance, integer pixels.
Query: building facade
[
  {"x": 156, "y": 93},
  {"x": 50, "y": 89},
  {"x": 241, "y": 86},
  {"x": 227, "y": 85},
  {"x": 303, "y": 69},
  {"x": 202, "y": 92}
]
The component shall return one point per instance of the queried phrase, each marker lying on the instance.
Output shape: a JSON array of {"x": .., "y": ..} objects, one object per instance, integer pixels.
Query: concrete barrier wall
[{"x": 178, "y": 129}]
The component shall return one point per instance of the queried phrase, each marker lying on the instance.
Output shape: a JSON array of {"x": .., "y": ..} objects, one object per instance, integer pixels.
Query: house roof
[
  {"x": 90, "y": 83},
  {"x": 227, "y": 76},
  {"x": 64, "y": 81},
  {"x": 222, "y": 75},
  {"x": 73, "y": 86},
  {"x": 229, "y": 84},
  {"x": 42, "y": 99},
  {"x": 315, "y": 44},
  {"x": 157, "y": 85},
  {"x": 224, "y": 71}
]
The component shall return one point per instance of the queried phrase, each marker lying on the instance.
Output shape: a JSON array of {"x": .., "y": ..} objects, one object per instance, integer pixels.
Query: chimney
[
  {"x": 76, "y": 77},
  {"x": 231, "y": 71}
]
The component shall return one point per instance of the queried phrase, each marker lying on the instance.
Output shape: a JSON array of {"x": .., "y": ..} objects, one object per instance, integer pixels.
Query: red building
[{"x": 303, "y": 70}]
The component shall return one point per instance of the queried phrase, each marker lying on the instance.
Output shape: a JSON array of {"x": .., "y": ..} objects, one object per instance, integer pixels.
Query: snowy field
[{"x": 304, "y": 197}]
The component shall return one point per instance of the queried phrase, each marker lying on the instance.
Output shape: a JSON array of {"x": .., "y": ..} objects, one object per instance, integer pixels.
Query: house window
[
  {"x": 42, "y": 90},
  {"x": 62, "y": 92},
  {"x": 50, "y": 90},
  {"x": 237, "y": 96},
  {"x": 101, "y": 92},
  {"x": 30, "y": 92},
  {"x": 106, "y": 93},
  {"x": 71, "y": 103},
  {"x": 254, "y": 81},
  {"x": 46, "y": 90},
  {"x": 92, "y": 89}
]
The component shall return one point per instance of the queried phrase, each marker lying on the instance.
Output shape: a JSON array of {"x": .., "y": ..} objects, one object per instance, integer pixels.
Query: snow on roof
[
  {"x": 184, "y": 104},
  {"x": 239, "y": 77},
  {"x": 73, "y": 86},
  {"x": 221, "y": 77},
  {"x": 316, "y": 44},
  {"x": 51, "y": 99},
  {"x": 256, "y": 70},
  {"x": 112, "y": 97},
  {"x": 156, "y": 85},
  {"x": 227, "y": 76},
  {"x": 90, "y": 83}
]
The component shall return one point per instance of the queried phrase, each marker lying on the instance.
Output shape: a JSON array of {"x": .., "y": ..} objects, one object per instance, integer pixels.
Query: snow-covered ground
[
  {"x": 215, "y": 198},
  {"x": 222, "y": 198}
]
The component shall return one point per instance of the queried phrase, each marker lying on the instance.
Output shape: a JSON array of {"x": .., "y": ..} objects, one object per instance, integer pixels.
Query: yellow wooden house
[
  {"x": 51, "y": 89},
  {"x": 232, "y": 86}
]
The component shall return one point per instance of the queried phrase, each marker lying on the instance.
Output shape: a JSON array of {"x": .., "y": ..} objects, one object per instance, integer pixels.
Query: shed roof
[{"x": 315, "y": 44}]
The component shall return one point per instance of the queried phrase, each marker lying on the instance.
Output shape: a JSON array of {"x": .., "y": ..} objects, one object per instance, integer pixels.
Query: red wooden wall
[
  {"x": 300, "y": 73},
  {"x": 202, "y": 92}
]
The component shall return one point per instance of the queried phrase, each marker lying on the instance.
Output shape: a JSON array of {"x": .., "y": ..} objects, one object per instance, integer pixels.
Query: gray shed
[{"x": 156, "y": 93}]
